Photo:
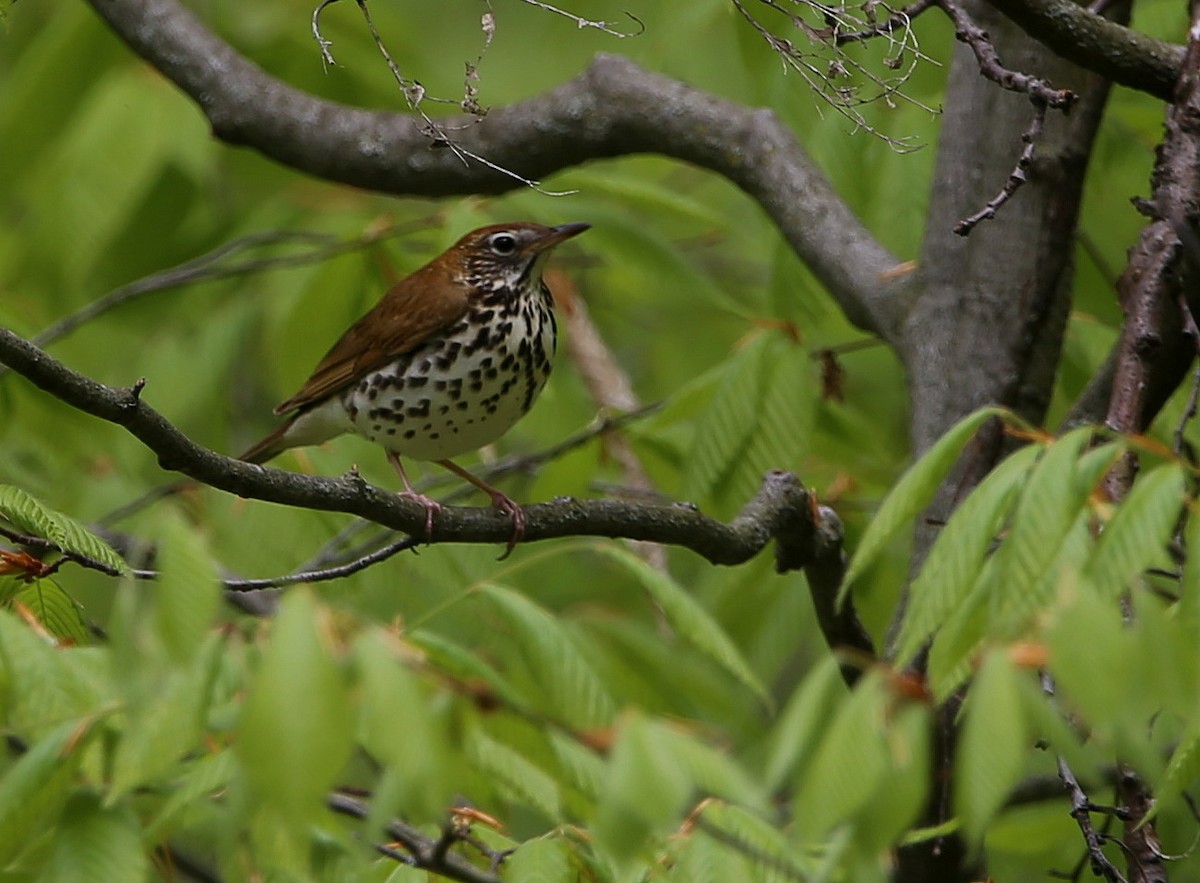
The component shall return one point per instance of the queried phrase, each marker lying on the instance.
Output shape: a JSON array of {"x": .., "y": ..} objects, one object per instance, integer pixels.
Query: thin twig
[
  {"x": 580, "y": 22},
  {"x": 1016, "y": 178}
]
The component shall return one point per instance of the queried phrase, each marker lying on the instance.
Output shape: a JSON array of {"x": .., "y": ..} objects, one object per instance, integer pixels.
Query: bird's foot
[
  {"x": 506, "y": 504},
  {"x": 432, "y": 507}
]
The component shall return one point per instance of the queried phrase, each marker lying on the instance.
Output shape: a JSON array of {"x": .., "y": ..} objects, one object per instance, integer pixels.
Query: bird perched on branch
[{"x": 447, "y": 362}]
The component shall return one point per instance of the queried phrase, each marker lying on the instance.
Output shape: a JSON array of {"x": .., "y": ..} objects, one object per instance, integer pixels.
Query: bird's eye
[{"x": 503, "y": 243}]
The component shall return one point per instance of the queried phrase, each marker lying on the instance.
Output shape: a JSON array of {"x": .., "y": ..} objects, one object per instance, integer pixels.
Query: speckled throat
[{"x": 467, "y": 386}]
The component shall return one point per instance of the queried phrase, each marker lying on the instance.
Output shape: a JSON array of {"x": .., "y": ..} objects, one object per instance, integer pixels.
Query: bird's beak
[{"x": 559, "y": 234}]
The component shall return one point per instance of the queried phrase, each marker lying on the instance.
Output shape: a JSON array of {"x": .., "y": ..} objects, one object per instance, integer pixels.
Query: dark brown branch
[
  {"x": 781, "y": 510},
  {"x": 1114, "y": 51},
  {"x": 968, "y": 32},
  {"x": 422, "y": 851},
  {"x": 614, "y": 108},
  {"x": 1016, "y": 178}
]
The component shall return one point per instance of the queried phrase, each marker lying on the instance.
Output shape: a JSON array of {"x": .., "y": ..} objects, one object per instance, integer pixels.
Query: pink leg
[
  {"x": 431, "y": 506},
  {"x": 500, "y": 500}
]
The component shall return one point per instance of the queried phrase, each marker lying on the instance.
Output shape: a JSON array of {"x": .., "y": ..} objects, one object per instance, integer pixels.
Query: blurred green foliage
[{"x": 585, "y": 701}]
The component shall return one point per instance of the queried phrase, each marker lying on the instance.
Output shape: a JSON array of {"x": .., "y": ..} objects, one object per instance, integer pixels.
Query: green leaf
[
  {"x": 32, "y": 517},
  {"x": 54, "y": 609},
  {"x": 515, "y": 773},
  {"x": 793, "y": 739},
  {"x": 957, "y": 557},
  {"x": 849, "y": 764},
  {"x": 573, "y": 692},
  {"x": 36, "y": 786},
  {"x": 206, "y": 777},
  {"x": 912, "y": 493},
  {"x": 904, "y": 790},
  {"x": 993, "y": 747},
  {"x": 399, "y": 728},
  {"x": 161, "y": 730},
  {"x": 646, "y": 790},
  {"x": 297, "y": 727},
  {"x": 544, "y": 860},
  {"x": 1051, "y": 505},
  {"x": 1137, "y": 534},
  {"x": 189, "y": 593},
  {"x": 94, "y": 842},
  {"x": 772, "y": 854},
  {"x": 727, "y": 425},
  {"x": 689, "y": 619}
]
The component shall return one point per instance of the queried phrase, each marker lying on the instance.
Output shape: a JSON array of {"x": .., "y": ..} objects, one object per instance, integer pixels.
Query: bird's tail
[{"x": 271, "y": 446}]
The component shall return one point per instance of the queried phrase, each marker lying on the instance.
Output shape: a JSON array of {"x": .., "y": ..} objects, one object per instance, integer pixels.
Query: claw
[{"x": 506, "y": 504}]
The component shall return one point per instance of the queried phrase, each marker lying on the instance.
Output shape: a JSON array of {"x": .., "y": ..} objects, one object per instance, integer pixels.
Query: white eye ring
[{"x": 503, "y": 243}]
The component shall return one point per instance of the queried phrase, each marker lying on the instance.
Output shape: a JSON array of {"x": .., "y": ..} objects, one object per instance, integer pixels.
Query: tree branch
[
  {"x": 781, "y": 510},
  {"x": 614, "y": 108},
  {"x": 1091, "y": 41}
]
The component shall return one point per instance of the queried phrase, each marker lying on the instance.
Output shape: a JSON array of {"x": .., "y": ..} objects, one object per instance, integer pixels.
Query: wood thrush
[{"x": 448, "y": 360}]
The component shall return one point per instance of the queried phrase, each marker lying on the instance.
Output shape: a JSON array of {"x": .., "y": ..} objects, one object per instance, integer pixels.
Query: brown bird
[{"x": 448, "y": 360}]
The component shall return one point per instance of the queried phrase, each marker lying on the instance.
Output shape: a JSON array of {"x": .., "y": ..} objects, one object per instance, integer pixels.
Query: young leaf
[
  {"x": 849, "y": 764},
  {"x": 297, "y": 729},
  {"x": 543, "y": 860},
  {"x": 54, "y": 609},
  {"x": 1050, "y": 506},
  {"x": 573, "y": 692},
  {"x": 993, "y": 747},
  {"x": 522, "y": 778},
  {"x": 689, "y": 619},
  {"x": 188, "y": 591},
  {"x": 954, "y": 562},
  {"x": 36, "y": 786},
  {"x": 794, "y": 737},
  {"x": 1138, "y": 533},
  {"x": 913, "y": 493},
  {"x": 95, "y": 842},
  {"x": 68, "y": 535}
]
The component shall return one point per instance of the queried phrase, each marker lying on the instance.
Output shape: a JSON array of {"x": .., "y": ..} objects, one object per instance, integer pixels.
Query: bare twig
[
  {"x": 1016, "y": 178},
  {"x": 900, "y": 19},
  {"x": 830, "y": 72},
  {"x": 415, "y": 94},
  {"x": 580, "y": 22},
  {"x": 990, "y": 65}
]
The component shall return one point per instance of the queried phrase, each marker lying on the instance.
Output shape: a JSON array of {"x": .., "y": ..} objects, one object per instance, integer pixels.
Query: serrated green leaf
[
  {"x": 955, "y": 645},
  {"x": 94, "y": 842},
  {"x": 912, "y": 493},
  {"x": 32, "y": 517},
  {"x": 1137, "y": 534},
  {"x": 849, "y": 764},
  {"x": 544, "y": 860},
  {"x": 793, "y": 738},
  {"x": 713, "y": 772},
  {"x": 1050, "y": 506},
  {"x": 958, "y": 554},
  {"x": 573, "y": 692},
  {"x": 42, "y": 686},
  {"x": 724, "y": 430},
  {"x": 203, "y": 777},
  {"x": 54, "y": 609},
  {"x": 690, "y": 621},
  {"x": 507, "y": 767},
  {"x": 189, "y": 592},
  {"x": 784, "y": 420},
  {"x": 992, "y": 750},
  {"x": 464, "y": 665},
  {"x": 36, "y": 786},
  {"x": 904, "y": 789},
  {"x": 297, "y": 729},
  {"x": 161, "y": 731},
  {"x": 400, "y": 730},
  {"x": 1184, "y": 767},
  {"x": 582, "y": 766},
  {"x": 771, "y": 854},
  {"x": 646, "y": 790},
  {"x": 28, "y": 514}
]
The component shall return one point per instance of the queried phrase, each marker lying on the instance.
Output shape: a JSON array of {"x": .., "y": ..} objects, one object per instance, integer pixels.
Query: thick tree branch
[
  {"x": 782, "y": 509},
  {"x": 613, "y": 109},
  {"x": 1091, "y": 41}
]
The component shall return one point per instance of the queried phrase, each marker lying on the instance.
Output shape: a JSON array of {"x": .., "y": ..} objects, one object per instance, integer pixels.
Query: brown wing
[{"x": 414, "y": 310}]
